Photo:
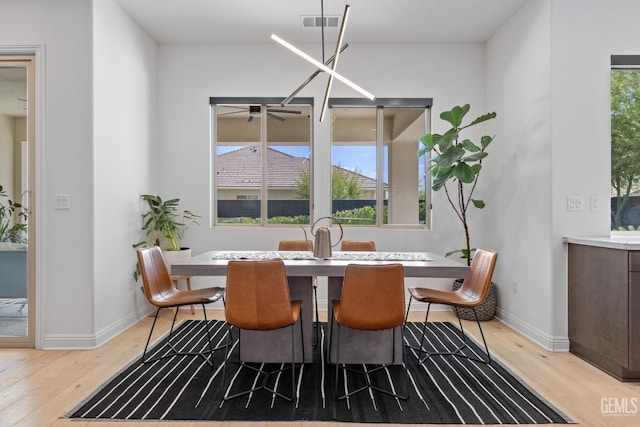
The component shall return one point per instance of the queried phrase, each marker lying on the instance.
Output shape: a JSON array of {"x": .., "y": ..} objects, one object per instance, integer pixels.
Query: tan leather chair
[
  {"x": 258, "y": 299},
  {"x": 300, "y": 246},
  {"x": 358, "y": 245},
  {"x": 472, "y": 293},
  {"x": 372, "y": 299},
  {"x": 160, "y": 292}
]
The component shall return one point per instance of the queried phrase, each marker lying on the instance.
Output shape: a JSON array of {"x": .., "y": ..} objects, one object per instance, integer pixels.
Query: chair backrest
[
  {"x": 358, "y": 245},
  {"x": 156, "y": 279},
  {"x": 295, "y": 245},
  {"x": 476, "y": 286},
  {"x": 372, "y": 297},
  {"x": 257, "y": 295}
]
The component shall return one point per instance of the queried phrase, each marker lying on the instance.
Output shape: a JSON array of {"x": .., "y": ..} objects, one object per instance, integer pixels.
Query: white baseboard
[
  {"x": 548, "y": 342},
  {"x": 93, "y": 341}
]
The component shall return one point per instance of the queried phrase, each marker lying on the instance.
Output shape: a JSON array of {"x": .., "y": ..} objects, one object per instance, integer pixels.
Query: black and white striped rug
[{"x": 444, "y": 390}]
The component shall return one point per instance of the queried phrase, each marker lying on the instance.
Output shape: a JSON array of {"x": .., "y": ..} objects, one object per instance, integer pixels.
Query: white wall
[
  {"x": 189, "y": 74},
  {"x": 518, "y": 170},
  {"x": 585, "y": 34},
  {"x": 65, "y": 281},
  {"x": 124, "y": 122}
]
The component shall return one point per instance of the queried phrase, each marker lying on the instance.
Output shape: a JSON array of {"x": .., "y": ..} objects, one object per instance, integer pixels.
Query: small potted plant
[
  {"x": 13, "y": 220},
  {"x": 164, "y": 225},
  {"x": 455, "y": 167}
]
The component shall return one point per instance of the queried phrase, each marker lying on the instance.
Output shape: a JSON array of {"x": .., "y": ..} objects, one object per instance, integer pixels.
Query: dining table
[{"x": 301, "y": 268}]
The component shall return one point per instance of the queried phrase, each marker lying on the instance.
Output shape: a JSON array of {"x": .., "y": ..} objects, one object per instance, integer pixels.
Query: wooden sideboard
[{"x": 604, "y": 307}]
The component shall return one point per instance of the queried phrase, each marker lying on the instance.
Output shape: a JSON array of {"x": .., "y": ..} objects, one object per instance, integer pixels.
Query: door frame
[{"x": 35, "y": 53}]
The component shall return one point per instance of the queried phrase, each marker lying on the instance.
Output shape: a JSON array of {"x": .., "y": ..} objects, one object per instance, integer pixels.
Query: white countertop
[{"x": 630, "y": 242}]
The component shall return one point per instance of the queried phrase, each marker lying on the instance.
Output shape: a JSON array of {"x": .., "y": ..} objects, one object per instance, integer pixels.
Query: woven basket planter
[{"x": 486, "y": 310}]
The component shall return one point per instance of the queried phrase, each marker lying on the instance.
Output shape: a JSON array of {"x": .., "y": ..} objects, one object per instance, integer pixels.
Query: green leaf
[
  {"x": 475, "y": 157},
  {"x": 485, "y": 141},
  {"x": 427, "y": 141},
  {"x": 463, "y": 172},
  {"x": 478, "y": 203},
  {"x": 439, "y": 182},
  {"x": 476, "y": 168},
  {"x": 446, "y": 141},
  {"x": 481, "y": 119},
  {"x": 440, "y": 177},
  {"x": 456, "y": 115},
  {"x": 451, "y": 156},
  {"x": 470, "y": 146}
]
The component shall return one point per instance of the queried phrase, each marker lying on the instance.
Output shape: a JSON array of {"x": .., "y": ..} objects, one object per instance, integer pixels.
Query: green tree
[
  {"x": 625, "y": 139},
  {"x": 344, "y": 185}
]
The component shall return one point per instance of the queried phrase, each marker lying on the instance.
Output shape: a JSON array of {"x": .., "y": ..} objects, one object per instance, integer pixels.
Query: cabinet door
[
  {"x": 599, "y": 301},
  {"x": 634, "y": 317}
]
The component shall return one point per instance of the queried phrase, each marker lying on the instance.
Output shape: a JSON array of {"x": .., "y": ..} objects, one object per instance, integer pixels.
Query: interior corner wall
[
  {"x": 124, "y": 133},
  {"x": 518, "y": 210}
]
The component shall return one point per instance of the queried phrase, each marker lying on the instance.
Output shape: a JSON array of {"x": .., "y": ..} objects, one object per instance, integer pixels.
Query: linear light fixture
[
  {"x": 311, "y": 77},
  {"x": 335, "y": 61},
  {"x": 323, "y": 67}
]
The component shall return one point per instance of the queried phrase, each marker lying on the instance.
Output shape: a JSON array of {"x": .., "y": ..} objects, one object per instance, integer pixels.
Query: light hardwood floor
[{"x": 38, "y": 387}]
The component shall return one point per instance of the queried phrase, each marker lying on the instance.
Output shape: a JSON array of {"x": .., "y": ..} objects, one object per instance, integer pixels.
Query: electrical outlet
[{"x": 575, "y": 203}]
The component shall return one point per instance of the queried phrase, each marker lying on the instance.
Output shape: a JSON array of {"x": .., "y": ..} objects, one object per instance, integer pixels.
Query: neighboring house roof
[{"x": 241, "y": 169}]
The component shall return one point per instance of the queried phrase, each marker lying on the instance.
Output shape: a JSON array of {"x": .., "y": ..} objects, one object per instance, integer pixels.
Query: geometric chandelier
[{"x": 332, "y": 61}]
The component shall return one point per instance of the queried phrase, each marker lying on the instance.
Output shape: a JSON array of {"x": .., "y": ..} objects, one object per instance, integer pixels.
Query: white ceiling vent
[{"x": 308, "y": 21}]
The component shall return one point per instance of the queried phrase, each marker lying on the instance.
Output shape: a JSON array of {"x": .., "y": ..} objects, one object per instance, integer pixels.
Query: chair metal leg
[
  {"x": 174, "y": 351},
  {"x": 260, "y": 371},
  {"x": 459, "y": 350}
]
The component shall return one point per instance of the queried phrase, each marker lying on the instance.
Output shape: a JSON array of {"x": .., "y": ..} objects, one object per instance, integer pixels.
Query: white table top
[{"x": 416, "y": 264}]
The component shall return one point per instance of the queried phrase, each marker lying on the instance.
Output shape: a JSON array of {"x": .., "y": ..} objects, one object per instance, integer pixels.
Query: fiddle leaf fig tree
[{"x": 455, "y": 166}]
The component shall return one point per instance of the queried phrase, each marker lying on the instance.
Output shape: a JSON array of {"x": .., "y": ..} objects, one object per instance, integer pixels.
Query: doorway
[{"x": 17, "y": 180}]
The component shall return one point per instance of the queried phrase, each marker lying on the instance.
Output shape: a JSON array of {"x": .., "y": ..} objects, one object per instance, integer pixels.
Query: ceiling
[
  {"x": 370, "y": 21},
  {"x": 253, "y": 21}
]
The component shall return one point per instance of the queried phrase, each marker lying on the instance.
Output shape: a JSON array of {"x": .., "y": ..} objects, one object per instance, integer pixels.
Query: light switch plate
[{"x": 63, "y": 201}]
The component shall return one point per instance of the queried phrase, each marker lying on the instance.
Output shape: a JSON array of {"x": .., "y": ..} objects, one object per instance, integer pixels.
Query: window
[
  {"x": 625, "y": 143},
  {"x": 377, "y": 178},
  {"x": 262, "y": 160}
]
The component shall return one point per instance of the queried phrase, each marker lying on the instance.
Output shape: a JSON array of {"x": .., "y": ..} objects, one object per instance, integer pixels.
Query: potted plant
[
  {"x": 457, "y": 162},
  {"x": 13, "y": 217},
  {"x": 455, "y": 167},
  {"x": 164, "y": 225}
]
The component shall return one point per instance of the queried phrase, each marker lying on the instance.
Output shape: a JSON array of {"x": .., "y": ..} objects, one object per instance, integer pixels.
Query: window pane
[
  {"x": 239, "y": 164},
  {"x": 353, "y": 169},
  {"x": 289, "y": 164},
  {"x": 376, "y": 168},
  {"x": 404, "y": 172},
  {"x": 263, "y": 161},
  {"x": 625, "y": 149}
]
